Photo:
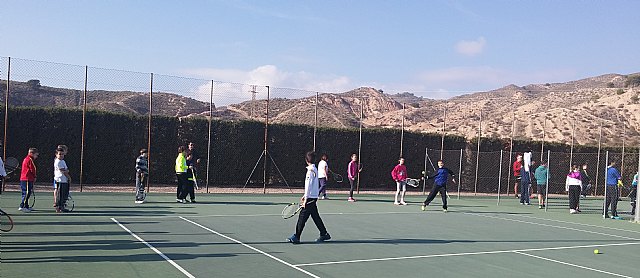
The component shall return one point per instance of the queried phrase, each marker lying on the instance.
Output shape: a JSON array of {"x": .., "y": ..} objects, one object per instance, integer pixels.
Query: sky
[{"x": 434, "y": 49}]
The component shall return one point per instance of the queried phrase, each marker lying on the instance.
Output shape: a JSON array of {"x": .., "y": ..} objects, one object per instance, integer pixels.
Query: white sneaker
[
  {"x": 396, "y": 203},
  {"x": 20, "y": 209},
  {"x": 139, "y": 201},
  {"x": 178, "y": 200},
  {"x": 403, "y": 203},
  {"x": 26, "y": 209},
  {"x": 573, "y": 211}
]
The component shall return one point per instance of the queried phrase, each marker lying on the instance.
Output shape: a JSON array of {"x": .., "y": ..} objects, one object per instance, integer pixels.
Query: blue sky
[{"x": 435, "y": 48}]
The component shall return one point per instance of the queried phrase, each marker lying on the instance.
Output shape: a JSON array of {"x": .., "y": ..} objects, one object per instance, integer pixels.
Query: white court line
[
  {"x": 468, "y": 253},
  {"x": 582, "y": 224},
  {"x": 154, "y": 250},
  {"x": 271, "y": 214},
  {"x": 574, "y": 265},
  {"x": 553, "y": 226},
  {"x": 252, "y": 248}
]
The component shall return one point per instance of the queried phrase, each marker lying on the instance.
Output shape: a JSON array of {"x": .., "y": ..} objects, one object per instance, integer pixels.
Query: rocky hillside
[{"x": 610, "y": 100}]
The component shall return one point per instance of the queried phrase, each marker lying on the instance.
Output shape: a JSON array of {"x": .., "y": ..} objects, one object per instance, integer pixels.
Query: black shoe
[
  {"x": 193, "y": 201},
  {"x": 323, "y": 238},
  {"x": 293, "y": 239}
]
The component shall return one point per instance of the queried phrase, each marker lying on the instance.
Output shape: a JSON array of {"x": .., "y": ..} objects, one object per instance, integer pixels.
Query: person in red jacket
[
  {"x": 399, "y": 175},
  {"x": 27, "y": 178},
  {"x": 517, "y": 165}
]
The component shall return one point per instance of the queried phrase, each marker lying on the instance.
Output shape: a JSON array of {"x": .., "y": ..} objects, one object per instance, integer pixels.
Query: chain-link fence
[{"x": 254, "y": 136}]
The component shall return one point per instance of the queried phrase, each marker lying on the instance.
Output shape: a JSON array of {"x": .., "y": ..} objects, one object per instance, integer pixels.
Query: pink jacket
[{"x": 399, "y": 172}]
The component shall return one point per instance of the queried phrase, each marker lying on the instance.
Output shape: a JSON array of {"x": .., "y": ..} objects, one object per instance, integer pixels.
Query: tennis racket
[
  {"x": 195, "y": 180},
  {"x": 6, "y": 223},
  {"x": 290, "y": 210},
  {"x": 337, "y": 177},
  {"x": 32, "y": 198},
  {"x": 11, "y": 165},
  {"x": 413, "y": 182},
  {"x": 69, "y": 205}
]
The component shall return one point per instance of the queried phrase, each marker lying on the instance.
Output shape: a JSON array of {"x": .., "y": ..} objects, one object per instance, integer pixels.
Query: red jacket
[
  {"x": 28, "y": 172},
  {"x": 516, "y": 168},
  {"x": 399, "y": 173}
]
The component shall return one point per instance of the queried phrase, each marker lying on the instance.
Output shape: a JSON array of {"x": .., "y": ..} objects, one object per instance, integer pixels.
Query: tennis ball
[
  {"x": 423, "y": 173},
  {"x": 596, "y": 251}
]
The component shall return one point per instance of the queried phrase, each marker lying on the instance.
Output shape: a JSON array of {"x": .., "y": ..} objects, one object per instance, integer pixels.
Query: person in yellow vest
[{"x": 181, "y": 174}]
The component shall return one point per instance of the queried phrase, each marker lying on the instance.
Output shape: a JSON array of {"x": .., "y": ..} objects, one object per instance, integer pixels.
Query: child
[
  {"x": 439, "y": 185},
  {"x": 62, "y": 179},
  {"x": 352, "y": 172},
  {"x": 574, "y": 186},
  {"x": 323, "y": 174},
  {"x": 309, "y": 203},
  {"x": 542, "y": 175},
  {"x": 525, "y": 185},
  {"x": 189, "y": 187},
  {"x": 142, "y": 172},
  {"x": 399, "y": 175},
  {"x": 181, "y": 174},
  {"x": 586, "y": 180},
  {"x": 517, "y": 165},
  {"x": 27, "y": 178},
  {"x": 64, "y": 150}
]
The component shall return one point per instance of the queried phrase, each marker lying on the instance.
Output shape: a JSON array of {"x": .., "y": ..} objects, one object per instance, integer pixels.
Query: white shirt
[
  {"x": 311, "y": 185},
  {"x": 527, "y": 161},
  {"x": 322, "y": 169},
  {"x": 58, "y": 176},
  {"x": 2, "y": 171}
]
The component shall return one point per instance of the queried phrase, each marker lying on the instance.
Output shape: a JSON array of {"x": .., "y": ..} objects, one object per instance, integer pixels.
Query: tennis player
[
  {"x": 352, "y": 173},
  {"x": 439, "y": 185},
  {"x": 309, "y": 203},
  {"x": 27, "y": 178},
  {"x": 64, "y": 150},
  {"x": 181, "y": 173},
  {"x": 399, "y": 175},
  {"x": 142, "y": 172},
  {"x": 613, "y": 177},
  {"x": 62, "y": 178},
  {"x": 323, "y": 175}
]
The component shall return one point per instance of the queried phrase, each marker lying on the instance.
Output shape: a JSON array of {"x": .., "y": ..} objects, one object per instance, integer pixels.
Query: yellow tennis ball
[{"x": 596, "y": 251}]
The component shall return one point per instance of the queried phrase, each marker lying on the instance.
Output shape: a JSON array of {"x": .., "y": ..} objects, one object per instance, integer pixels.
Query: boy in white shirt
[
  {"x": 309, "y": 203},
  {"x": 323, "y": 171},
  {"x": 62, "y": 179}
]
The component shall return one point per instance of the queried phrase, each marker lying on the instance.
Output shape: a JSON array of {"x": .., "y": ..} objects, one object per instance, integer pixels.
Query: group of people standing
[{"x": 186, "y": 173}]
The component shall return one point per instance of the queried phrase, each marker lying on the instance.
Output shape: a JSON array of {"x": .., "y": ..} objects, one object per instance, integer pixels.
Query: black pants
[
  {"x": 188, "y": 189},
  {"x": 310, "y": 209},
  {"x": 612, "y": 199},
  {"x": 574, "y": 196},
  {"x": 353, "y": 182},
  {"x": 432, "y": 195},
  {"x": 182, "y": 184},
  {"x": 633, "y": 196},
  {"x": 63, "y": 194}
]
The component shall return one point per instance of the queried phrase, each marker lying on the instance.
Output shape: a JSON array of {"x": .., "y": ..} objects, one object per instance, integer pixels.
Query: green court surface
[{"x": 234, "y": 235}]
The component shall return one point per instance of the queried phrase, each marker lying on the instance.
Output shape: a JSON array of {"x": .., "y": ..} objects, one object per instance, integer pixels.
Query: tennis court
[{"x": 243, "y": 235}]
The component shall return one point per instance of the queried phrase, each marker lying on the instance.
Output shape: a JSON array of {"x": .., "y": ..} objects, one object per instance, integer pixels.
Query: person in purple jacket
[{"x": 352, "y": 173}]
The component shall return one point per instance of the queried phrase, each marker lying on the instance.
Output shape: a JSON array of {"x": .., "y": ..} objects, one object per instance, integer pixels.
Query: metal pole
[
  {"x": 546, "y": 196},
  {"x": 475, "y": 187},
  {"x": 637, "y": 211},
  {"x": 459, "y": 174},
  {"x": 624, "y": 131},
  {"x": 360, "y": 145},
  {"x": 6, "y": 116},
  {"x": 544, "y": 133},
  {"x": 266, "y": 151},
  {"x": 604, "y": 203},
  {"x": 209, "y": 137},
  {"x": 595, "y": 191},
  {"x": 149, "y": 140},
  {"x": 424, "y": 185},
  {"x": 500, "y": 177},
  {"x": 84, "y": 119},
  {"x": 513, "y": 127},
  {"x": 315, "y": 126},
  {"x": 573, "y": 135},
  {"x": 402, "y": 131},
  {"x": 444, "y": 132}
]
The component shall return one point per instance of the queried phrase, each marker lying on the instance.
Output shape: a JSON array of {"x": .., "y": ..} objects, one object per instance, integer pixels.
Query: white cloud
[
  {"x": 471, "y": 48},
  {"x": 305, "y": 84}
]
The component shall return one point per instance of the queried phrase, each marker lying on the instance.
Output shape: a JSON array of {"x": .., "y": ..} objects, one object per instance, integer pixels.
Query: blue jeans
[
  {"x": 524, "y": 193},
  {"x": 27, "y": 190}
]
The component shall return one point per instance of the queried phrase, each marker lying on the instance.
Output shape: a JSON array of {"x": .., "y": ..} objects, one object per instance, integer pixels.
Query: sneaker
[
  {"x": 139, "y": 201},
  {"x": 323, "y": 238},
  {"x": 396, "y": 203},
  {"x": 178, "y": 200},
  {"x": 322, "y": 197},
  {"x": 26, "y": 209},
  {"x": 293, "y": 239},
  {"x": 444, "y": 210},
  {"x": 423, "y": 207},
  {"x": 184, "y": 201},
  {"x": 527, "y": 204},
  {"x": 351, "y": 199},
  {"x": 540, "y": 207},
  {"x": 403, "y": 203},
  {"x": 193, "y": 201},
  {"x": 20, "y": 208},
  {"x": 573, "y": 211},
  {"x": 605, "y": 216},
  {"x": 578, "y": 210},
  {"x": 522, "y": 203}
]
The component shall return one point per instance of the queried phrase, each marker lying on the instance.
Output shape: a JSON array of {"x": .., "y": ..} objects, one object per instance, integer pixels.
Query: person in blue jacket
[{"x": 439, "y": 186}]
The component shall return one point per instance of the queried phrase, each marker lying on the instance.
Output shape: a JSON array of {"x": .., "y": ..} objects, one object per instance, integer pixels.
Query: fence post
[
  {"x": 636, "y": 210},
  {"x": 209, "y": 136},
  {"x": 402, "y": 131},
  {"x": 424, "y": 185},
  {"x": 499, "y": 177},
  {"x": 546, "y": 196},
  {"x": 6, "y": 116},
  {"x": 84, "y": 119},
  {"x": 149, "y": 137},
  {"x": 513, "y": 127},
  {"x": 360, "y": 145},
  {"x": 595, "y": 191},
  {"x": 573, "y": 135},
  {"x": 444, "y": 132},
  {"x": 475, "y": 186},
  {"x": 604, "y": 203},
  {"x": 544, "y": 133},
  {"x": 460, "y": 174},
  {"x": 315, "y": 125}
]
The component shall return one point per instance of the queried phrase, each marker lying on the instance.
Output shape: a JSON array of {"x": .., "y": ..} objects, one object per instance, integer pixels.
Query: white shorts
[{"x": 401, "y": 186}]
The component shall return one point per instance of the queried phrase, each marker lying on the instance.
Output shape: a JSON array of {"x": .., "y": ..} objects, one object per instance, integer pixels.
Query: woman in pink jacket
[{"x": 399, "y": 175}]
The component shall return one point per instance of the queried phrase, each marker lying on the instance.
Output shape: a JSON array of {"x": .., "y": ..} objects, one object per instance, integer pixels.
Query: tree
[
  {"x": 33, "y": 83},
  {"x": 632, "y": 81}
]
